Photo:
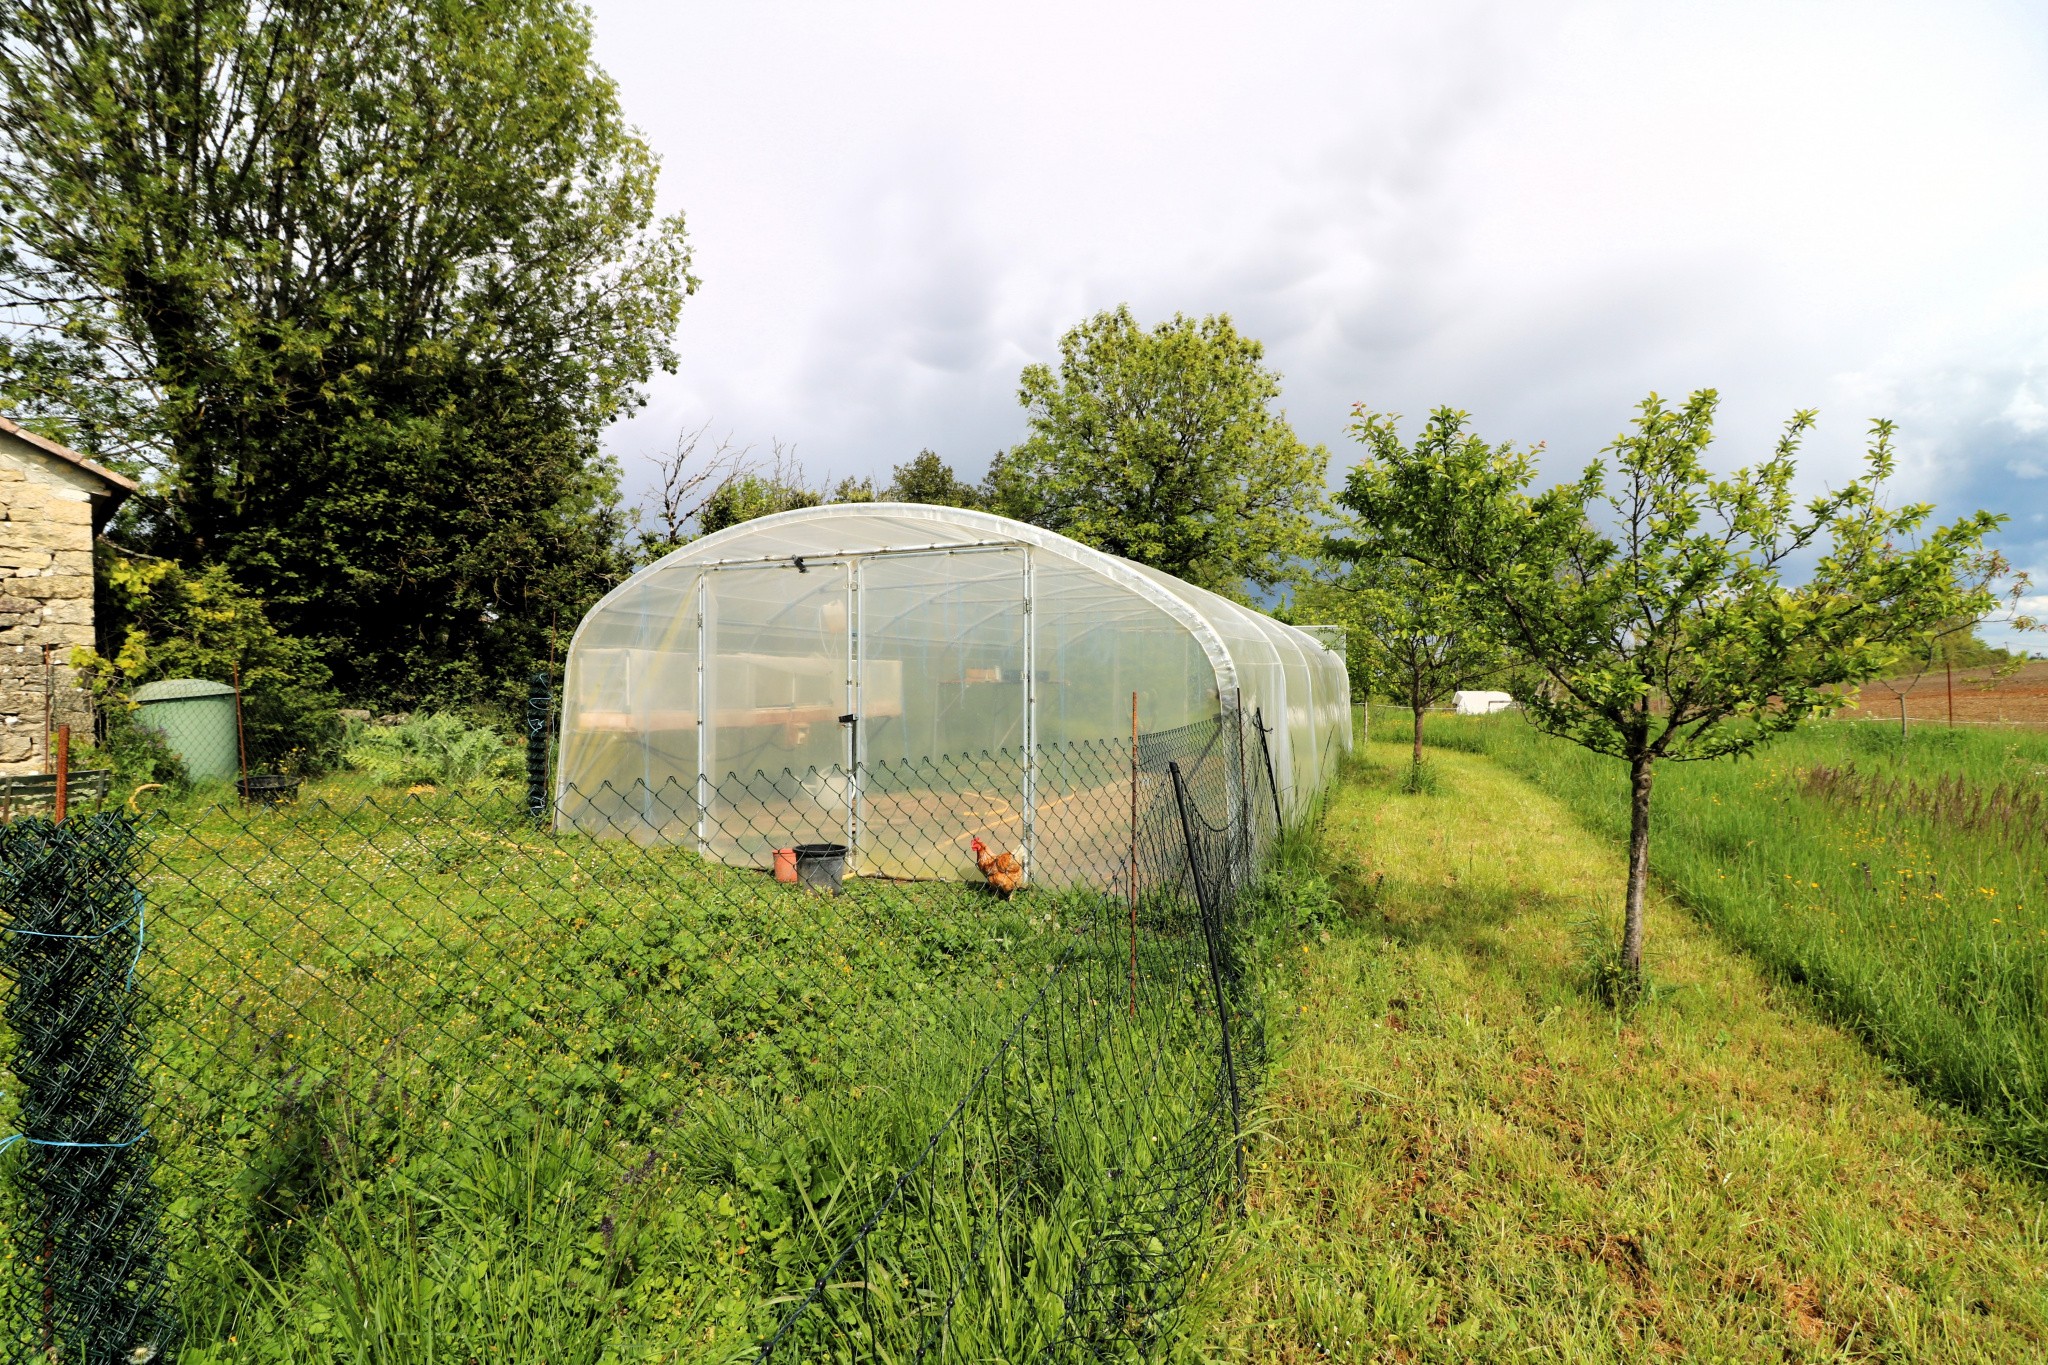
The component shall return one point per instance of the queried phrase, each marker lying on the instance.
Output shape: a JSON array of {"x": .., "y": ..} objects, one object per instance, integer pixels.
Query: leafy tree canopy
[
  {"x": 356, "y": 287},
  {"x": 929, "y": 479},
  {"x": 1162, "y": 445},
  {"x": 1412, "y": 633},
  {"x": 1650, "y": 604},
  {"x": 702, "y": 493},
  {"x": 750, "y": 495}
]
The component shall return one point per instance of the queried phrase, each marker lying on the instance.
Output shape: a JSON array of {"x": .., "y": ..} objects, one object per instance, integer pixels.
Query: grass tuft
[
  {"x": 1421, "y": 779},
  {"x": 1597, "y": 942},
  {"x": 1461, "y": 1154},
  {"x": 1900, "y": 886}
]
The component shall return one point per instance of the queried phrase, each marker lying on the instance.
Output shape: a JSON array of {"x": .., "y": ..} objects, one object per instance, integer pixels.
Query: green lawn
[
  {"x": 1463, "y": 1155},
  {"x": 1904, "y": 886},
  {"x": 435, "y": 1085},
  {"x": 606, "y": 1077}
]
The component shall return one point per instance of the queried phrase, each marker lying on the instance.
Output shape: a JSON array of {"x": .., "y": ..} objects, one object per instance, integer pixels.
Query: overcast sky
[{"x": 1535, "y": 212}]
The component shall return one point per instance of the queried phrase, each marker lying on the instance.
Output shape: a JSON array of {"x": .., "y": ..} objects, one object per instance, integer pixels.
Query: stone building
[{"x": 53, "y": 501}]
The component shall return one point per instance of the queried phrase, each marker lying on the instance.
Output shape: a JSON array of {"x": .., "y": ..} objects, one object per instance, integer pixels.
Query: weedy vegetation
[
  {"x": 434, "y": 749},
  {"x": 1465, "y": 1153},
  {"x": 1899, "y": 884},
  {"x": 433, "y": 1084}
]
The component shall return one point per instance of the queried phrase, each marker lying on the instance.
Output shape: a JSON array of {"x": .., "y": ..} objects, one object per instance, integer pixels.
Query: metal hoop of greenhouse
[{"x": 799, "y": 678}]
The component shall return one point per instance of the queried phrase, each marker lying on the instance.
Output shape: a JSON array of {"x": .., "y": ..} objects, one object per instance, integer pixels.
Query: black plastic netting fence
[{"x": 334, "y": 1076}]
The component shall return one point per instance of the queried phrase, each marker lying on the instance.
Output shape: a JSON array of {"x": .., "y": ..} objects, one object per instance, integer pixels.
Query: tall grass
[
  {"x": 424, "y": 1095},
  {"x": 999, "y": 1222},
  {"x": 1894, "y": 880}
]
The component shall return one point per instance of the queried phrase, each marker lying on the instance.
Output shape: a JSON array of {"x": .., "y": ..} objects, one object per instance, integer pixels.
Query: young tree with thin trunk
[
  {"x": 1408, "y": 628},
  {"x": 1650, "y": 605},
  {"x": 1954, "y": 646}
]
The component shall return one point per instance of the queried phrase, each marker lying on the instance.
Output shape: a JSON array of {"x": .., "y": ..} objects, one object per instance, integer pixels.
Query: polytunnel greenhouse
[{"x": 903, "y": 678}]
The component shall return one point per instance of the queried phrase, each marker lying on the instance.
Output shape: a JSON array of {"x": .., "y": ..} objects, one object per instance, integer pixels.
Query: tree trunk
[
  {"x": 1638, "y": 865},
  {"x": 1417, "y": 712}
]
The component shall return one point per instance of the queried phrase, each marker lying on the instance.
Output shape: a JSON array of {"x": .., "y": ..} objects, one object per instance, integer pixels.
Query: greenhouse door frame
[
  {"x": 856, "y": 660},
  {"x": 856, "y": 634},
  {"x": 706, "y": 638}
]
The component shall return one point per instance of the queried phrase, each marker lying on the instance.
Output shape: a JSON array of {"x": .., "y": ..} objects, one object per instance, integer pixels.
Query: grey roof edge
[{"x": 122, "y": 485}]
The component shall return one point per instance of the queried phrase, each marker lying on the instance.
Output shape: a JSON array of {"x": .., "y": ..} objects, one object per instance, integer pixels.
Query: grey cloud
[{"x": 1477, "y": 206}]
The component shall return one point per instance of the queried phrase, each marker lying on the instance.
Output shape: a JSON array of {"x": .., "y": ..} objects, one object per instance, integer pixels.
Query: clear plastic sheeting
[{"x": 840, "y": 651}]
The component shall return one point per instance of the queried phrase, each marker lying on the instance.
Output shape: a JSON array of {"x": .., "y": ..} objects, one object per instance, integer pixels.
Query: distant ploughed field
[{"x": 1980, "y": 697}]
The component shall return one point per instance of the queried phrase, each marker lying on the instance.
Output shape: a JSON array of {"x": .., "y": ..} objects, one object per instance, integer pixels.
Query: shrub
[
  {"x": 133, "y": 754},
  {"x": 442, "y": 750},
  {"x": 173, "y": 622}
]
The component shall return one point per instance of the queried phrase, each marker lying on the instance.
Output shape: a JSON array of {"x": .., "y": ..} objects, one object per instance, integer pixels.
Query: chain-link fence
[{"x": 361, "y": 1072}]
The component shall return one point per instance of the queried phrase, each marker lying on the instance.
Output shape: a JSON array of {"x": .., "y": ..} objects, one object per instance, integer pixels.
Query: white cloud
[
  {"x": 1536, "y": 213},
  {"x": 2028, "y": 409}
]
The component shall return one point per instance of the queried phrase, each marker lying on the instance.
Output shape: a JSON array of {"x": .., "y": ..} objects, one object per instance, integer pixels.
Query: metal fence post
[
  {"x": 1265, "y": 748},
  {"x": 87, "y": 1281},
  {"x": 241, "y": 742},
  {"x": 539, "y": 706},
  {"x": 1244, "y": 850},
  {"x": 1205, "y": 901}
]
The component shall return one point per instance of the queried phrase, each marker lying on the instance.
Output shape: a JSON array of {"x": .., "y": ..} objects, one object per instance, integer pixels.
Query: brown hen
[{"x": 1005, "y": 871}]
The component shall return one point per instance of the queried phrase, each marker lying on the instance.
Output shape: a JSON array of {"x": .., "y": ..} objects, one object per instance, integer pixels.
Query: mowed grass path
[{"x": 1463, "y": 1155}]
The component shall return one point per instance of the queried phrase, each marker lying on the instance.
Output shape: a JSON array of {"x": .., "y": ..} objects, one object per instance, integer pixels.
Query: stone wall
[{"x": 45, "y": 599}]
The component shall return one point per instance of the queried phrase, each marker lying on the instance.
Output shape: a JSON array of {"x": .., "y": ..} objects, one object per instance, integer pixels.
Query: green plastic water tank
[{"x": 197, "y": 720}]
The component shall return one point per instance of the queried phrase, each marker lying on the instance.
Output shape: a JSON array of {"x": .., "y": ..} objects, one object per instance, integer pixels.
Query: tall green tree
[
  {"x": 1412, "y": 632},
  {"x": 1164, "y": 445},
  {"x": 755, "y": 494},
  {"x": 929, "y": 479},
  {"x": 357, "y": 286},
  {"x": 1651, "y": 603}
]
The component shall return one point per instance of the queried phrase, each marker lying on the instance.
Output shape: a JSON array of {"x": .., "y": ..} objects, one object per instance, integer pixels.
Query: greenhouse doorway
[
  {"x": 829, "y": 684},
  {"x": 774, "y": 762},
  {"x": 946, "y": 654}
]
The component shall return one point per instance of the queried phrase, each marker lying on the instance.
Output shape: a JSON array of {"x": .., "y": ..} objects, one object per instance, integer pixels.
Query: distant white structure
[{"x": 1481, "y": 703}]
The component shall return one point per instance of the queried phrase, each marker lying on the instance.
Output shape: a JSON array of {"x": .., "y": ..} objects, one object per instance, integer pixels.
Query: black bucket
[
  {"x": 821, "y": 865},
  {"x": 269, "y": 789}
]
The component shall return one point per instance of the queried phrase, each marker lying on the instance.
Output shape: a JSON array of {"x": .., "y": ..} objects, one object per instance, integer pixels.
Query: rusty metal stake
[{"x": 63, "y": 771}]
